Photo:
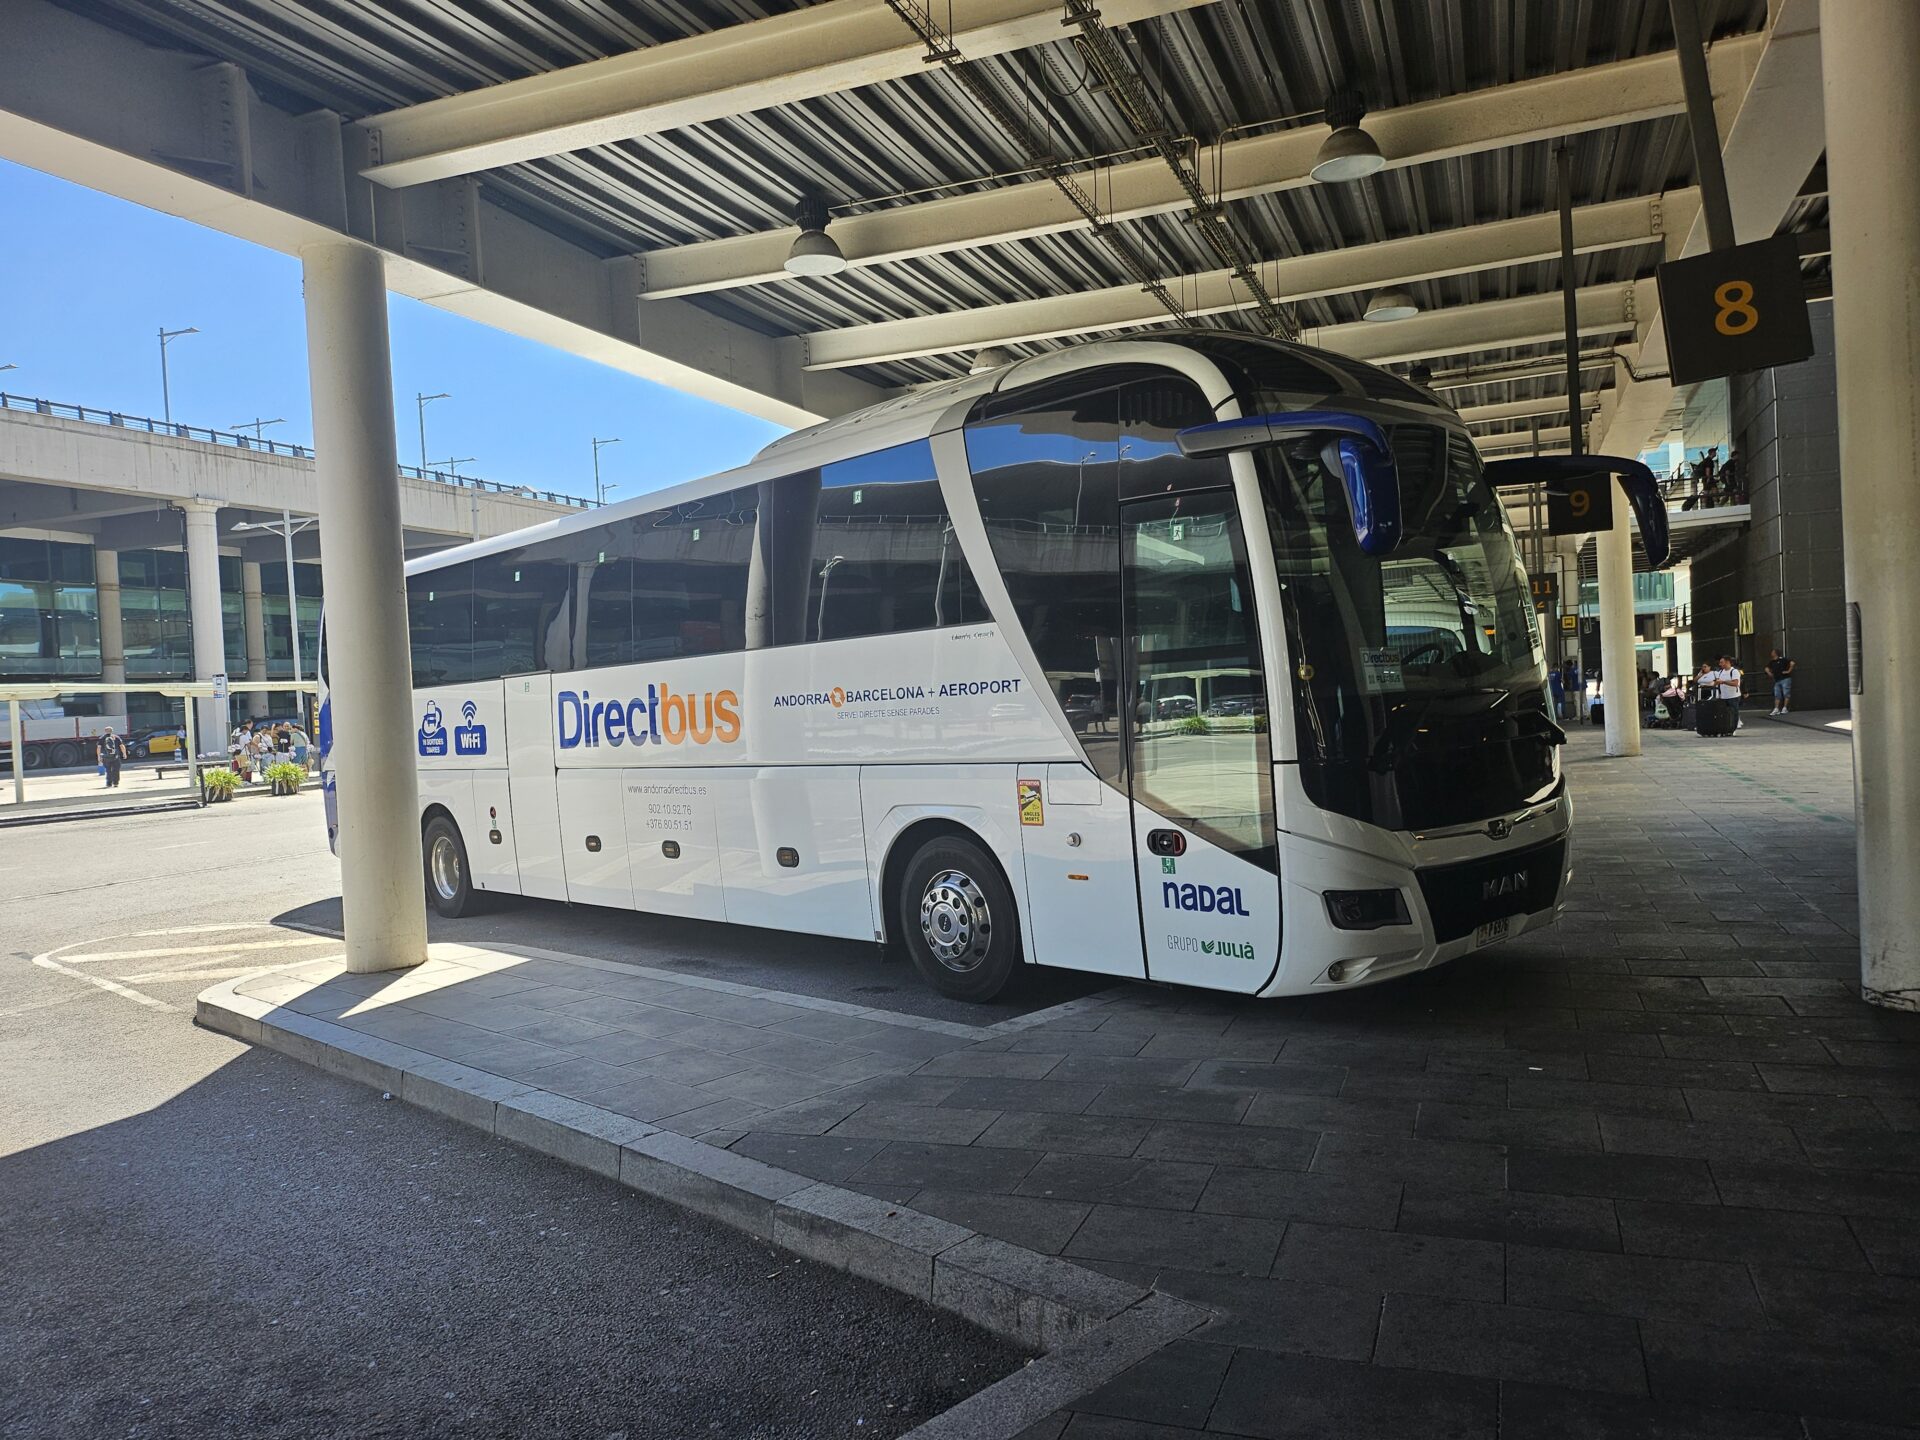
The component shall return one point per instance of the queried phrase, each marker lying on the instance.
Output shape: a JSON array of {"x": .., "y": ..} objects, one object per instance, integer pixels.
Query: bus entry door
[{"x": 1198, "y": 761}]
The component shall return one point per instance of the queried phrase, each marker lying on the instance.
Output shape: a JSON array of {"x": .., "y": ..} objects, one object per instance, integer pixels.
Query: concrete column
[
  {"x": 203, "y": 601},
  {"x": 1873, "y": 175},
  {"x": 1620, "y": 684},
  {"x": 369, "y": 670},
  {"x": 113, "y": 643},
  {"x": 255, "y": 611}
]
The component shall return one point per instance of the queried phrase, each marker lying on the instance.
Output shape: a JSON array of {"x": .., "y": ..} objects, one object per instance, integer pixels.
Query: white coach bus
[{"x": 1194, "y": 658}]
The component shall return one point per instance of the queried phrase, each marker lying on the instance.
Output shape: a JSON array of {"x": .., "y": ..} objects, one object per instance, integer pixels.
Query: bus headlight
[{"x": 1366, "y": 909}]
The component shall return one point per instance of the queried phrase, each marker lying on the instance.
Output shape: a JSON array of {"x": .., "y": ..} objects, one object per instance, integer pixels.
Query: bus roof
[{"x": 914, "y": 414}]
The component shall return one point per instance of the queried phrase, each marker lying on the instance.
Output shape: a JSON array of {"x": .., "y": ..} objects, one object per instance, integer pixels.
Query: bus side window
[{"x": 440, "y": 625}]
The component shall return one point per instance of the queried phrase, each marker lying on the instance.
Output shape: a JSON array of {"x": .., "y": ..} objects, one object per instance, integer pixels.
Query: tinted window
[
  {"x": 884, "y": 556},
  {"x": 670, "y": 583},
  {"x": 1045, "y": 479},
  {"x": 440, "y": 625},
  {"x": 517, "y": 600}
]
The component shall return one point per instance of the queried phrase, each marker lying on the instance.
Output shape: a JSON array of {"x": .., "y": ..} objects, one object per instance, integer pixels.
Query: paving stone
[
  {"x": 1842, "y": 1306},
  {"x": 685, "y": 1064},
  {"x": 1182, "y": 1239},
  {"x": 819, "y": 1157},
  {"x": 1645, "y": 1287},
  {"x": 1319, "y": 1112},
  {"x": 1250, "y": 1049},
  {"x": 1284, "y": 1316},
  {"x": 1529, "y": 1093},
  {"x": 1171, "y": 1102},
  {"x": 1676, "y": 1074},
  {"x": 1424, "y": 1088},
  {"x": 1698, "y": 1140},
  {"x": 1495, "y": 1124},
  {"x": 1721, "y": 1232},
  {"x": 1836, "y": 1192},
  {"x": 1174, "y": 1386},
  {"x": 864, "y": 1236},
  {"x": 1125, "y": 1070},
  {"x": 976, "y": 1064},
  {"x": 1618, "y": 1177},
  {"x": 1799, "y": 1112},
  {"x": 888, "y": 1120},
  {"x": 1108, "y": 1180},
  {"x": 1579, "y": 1222},
  {"x": 1304, "y": 1398},
  {"x": 1288, "y": 1079},
  {"x": 1511, "y": 1342},
  {"x": 1041, "y": 1225},
  {"x": 1863, "y": 1149},
  {"x": 947, "y": 1167},
  {"x": 1290, "y": 1195},
  {"x": 1778, "y": 1370},
  {"x": 1087, "y": 1042},
  {"x": 1074, "y": 1134},
  {"x": 1390, "y": 1262},
  {"x": 1058, "y": 1097},
  {"x": 1543, "y": 1412},
  {"x": 1448, "y": 1164},
  {"x": 1261, "y": 1146},
  {"x": 716, "y": 1115}
]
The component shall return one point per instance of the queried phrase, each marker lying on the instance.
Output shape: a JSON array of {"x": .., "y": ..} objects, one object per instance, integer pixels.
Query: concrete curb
[{"x": 1088, "y": 1325}]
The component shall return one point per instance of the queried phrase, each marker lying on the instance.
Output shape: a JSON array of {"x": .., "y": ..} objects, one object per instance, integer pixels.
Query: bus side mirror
[
  {"x": 1357, "y": 450},
  {"x": 1643, "y": 489}
]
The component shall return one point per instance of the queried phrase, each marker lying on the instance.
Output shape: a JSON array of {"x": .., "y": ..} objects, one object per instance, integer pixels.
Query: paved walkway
[{"x": 1653, "y": 1172}]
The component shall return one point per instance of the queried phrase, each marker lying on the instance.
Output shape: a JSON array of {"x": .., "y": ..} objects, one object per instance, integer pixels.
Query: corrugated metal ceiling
[{"x": 1221, "y": 65}]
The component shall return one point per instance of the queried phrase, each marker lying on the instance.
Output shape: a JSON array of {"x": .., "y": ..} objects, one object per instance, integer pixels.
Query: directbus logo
[{"x": 662, "y": 718}]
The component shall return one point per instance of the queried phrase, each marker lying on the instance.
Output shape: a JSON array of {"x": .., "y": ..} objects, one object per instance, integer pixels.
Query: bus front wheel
[
  {"x": 957, "y": 917},
  {"x": 449, "y": 881}
]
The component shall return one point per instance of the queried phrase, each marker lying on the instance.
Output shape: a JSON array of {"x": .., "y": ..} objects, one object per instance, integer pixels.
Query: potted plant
[
  {"x": 218, "y": 785},
  {"x": 285, "y": 777}
]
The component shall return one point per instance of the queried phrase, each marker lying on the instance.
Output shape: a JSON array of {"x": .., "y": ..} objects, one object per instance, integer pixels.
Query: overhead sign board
[
  {"x": 1544, "y": 587},
  {"x": 1580, "y": 504},
  {"x": 1731, "y": 311}
]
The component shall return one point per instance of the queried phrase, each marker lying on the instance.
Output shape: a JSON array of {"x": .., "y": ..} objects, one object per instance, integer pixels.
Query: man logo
[
  {"x": 1504, "y": 885},
  {"x": 1499, "y": 829}
]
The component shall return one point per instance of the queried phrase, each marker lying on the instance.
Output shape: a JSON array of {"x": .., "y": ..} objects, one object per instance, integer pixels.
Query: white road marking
[
  {"x": 168, "y": 954},
  {"x": 66, "y": 999},
  {"x": 47, "y": 962},
  {"x": 223, "y": 973}
]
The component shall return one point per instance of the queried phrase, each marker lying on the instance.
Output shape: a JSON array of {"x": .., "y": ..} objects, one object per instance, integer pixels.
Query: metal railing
[{"x": 199, "y": 434}]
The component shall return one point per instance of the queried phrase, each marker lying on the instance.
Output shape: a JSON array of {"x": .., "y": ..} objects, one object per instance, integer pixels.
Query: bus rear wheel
[
  {"x": 449, "y": 881},
  {"x": 957, "y": 917}
]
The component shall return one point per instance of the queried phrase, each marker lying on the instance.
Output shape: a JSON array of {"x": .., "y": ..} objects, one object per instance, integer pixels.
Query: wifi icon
[{"x": 470, "y": 738}]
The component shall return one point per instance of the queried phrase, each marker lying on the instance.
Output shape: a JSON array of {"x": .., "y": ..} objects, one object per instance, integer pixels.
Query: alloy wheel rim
[
  {"x": 955, "y": 921},
  {"x": 446, "y": 868}
]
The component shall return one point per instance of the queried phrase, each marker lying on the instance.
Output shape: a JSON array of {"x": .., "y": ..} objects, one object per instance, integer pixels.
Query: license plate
[{"x": 1492, "y": 933}]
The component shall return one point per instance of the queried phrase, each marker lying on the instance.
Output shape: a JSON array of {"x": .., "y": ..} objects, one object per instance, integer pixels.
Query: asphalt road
[{"x": 200, "y": 1239}]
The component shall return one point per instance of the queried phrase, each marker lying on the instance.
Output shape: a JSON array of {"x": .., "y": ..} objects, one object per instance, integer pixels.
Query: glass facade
[{"x": 49, "y": 614}]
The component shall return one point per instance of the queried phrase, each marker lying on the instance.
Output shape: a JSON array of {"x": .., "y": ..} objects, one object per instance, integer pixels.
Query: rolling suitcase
[{"x": 1713, "y": 718}]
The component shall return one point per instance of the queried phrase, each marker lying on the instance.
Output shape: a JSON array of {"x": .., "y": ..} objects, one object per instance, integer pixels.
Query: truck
[{"x": 52, "y": 738}]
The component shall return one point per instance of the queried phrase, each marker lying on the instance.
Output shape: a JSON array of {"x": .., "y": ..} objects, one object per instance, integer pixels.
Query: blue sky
[{"x": 86, "y": 282}]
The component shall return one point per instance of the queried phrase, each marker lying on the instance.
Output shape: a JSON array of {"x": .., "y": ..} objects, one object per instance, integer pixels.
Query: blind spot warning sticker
[{"x": 1031, "y": 810}]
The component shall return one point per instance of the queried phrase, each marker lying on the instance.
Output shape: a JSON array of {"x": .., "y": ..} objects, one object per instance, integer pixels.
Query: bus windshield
[{"x": 1418, "y": 675}]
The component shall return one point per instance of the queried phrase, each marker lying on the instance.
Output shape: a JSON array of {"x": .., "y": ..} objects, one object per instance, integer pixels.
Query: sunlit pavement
[
  {"x": 1655, "y": 1171},
  {"x": 201, "y": 1238}
]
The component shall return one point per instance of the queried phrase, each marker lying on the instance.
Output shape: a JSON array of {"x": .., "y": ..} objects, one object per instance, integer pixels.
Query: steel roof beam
[
  {"x": 1493, "y": 325},
  {"x": 166, "y": 130},
  {"x": 1555, "y": 405},
  {"x": 1622, "y": 93},
  {"x": 819, "y": 50},
  {"x": 1613, "y": 225}
]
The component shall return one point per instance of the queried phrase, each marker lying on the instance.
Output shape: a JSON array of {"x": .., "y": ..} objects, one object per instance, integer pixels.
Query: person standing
[
  {"x": 1726, "y": 680},
  {"x": 1558, "y": 693},
  {"x": 1780, "y": 667},
  {"x": 112, "y": 751}
]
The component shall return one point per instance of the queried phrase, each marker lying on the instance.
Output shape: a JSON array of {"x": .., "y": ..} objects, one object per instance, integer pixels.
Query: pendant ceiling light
[
  {"x": 813, "y": 252},
  {"x": 1349, "y": 153},
  {"x": 1392, "y": 305}
]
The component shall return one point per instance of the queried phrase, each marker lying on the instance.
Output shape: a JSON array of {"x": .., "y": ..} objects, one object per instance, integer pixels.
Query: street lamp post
[
  {"x": 166, "y": 395},
  {"x": 599, "y": 490},
  {"x": 421, "y": 402},
  {"x": 286, "y": 529},
  {"x": 256, "y": 426}
]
